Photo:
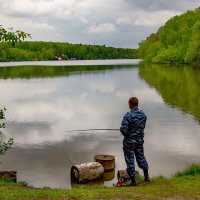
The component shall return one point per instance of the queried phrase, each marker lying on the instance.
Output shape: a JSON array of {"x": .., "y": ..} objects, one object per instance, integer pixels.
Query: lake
[{"x": 46, "y": 103}]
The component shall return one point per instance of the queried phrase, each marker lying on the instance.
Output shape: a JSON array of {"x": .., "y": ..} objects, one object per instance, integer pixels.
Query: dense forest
[
  {"x": 178, "y": 41},
  {"x": 29, "y": 51}
]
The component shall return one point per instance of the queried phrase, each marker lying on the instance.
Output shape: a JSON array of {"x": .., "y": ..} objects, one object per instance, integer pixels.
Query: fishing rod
[
  {"x": 95, "y": 129},
  {"x": 81, "y": 130}
]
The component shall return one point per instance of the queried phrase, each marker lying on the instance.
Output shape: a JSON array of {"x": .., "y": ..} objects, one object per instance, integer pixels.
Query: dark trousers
[{"x": 132, "y": 152}]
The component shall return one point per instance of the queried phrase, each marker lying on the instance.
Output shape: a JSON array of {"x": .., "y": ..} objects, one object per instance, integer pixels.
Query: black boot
[
  {"x": 133, "y": 181},
  {"x": 146, "y": 175}
]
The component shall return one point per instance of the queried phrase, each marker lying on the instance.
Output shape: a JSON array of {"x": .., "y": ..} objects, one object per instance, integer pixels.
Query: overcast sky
[{"x": 117, "y": 23}]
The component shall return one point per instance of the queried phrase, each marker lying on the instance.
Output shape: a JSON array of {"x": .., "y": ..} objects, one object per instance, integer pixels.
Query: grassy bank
[{"x": 183, "y": 185}]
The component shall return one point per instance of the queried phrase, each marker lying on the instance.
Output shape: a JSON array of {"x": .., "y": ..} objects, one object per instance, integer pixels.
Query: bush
[
  {"x": 192, "y": 170},
  {"x": 4, "y": 146}
]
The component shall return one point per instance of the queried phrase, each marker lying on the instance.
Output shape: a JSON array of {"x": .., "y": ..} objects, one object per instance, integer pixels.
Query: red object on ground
[{"x": 119, "y": 183}]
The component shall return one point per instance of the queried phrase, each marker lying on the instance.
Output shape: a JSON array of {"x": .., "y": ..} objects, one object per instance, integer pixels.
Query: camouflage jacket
[{"x": 132, "y": 127}]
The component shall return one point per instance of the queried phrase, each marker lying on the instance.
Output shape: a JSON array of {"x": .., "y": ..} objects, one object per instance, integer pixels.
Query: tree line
[
  {"x": 29, "y": 51},
  {"x": 178, "y": 41}
]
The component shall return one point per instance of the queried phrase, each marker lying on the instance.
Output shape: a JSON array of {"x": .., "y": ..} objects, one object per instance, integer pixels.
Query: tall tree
[{"x": 193, "y": 53}]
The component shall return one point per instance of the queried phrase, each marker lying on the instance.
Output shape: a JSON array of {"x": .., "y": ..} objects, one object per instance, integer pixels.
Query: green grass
[
  {"x": 192, "y": 170},
  {"x": 179, "y": 187}
]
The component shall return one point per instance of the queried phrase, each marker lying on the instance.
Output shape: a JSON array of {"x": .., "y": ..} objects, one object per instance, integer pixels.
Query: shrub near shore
[{"x": 183, "y": 185}]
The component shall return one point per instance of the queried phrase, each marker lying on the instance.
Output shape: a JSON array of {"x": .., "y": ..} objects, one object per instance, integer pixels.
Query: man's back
[{"x": 132, "y": 126}]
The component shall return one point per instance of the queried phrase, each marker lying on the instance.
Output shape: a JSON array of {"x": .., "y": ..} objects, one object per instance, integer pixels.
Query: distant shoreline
[{"x": 72, "y": 62}]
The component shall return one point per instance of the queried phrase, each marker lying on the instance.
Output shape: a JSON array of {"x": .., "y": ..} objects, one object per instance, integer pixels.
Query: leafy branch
[
  {"x": 4, "y": 146},
  {"x": 11, "y": 36},
  {"x": 2, "y": 117}
]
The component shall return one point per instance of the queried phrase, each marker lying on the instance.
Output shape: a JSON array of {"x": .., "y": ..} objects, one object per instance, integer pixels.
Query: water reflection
[
  {"x": 178, "y": 85},
  {"x": 107, "y": 178},
  {"x": 42, "y": 111},
  {"x": 27, "y": 72}
]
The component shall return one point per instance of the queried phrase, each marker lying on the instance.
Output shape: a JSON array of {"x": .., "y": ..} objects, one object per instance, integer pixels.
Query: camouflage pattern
[{"x": 132, "y": 128}]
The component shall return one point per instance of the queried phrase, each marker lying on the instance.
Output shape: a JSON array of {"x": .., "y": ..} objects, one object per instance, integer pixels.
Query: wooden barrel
[
  {"x": 86, "y": 172},
  {"x": 109, "y": 175},
  {"x": 108, "y": 161},
  {"x": 9, "y": 174}
]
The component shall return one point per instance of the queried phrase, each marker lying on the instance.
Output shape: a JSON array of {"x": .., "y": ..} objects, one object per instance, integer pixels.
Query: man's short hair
[{"x": 133, "y": 101}]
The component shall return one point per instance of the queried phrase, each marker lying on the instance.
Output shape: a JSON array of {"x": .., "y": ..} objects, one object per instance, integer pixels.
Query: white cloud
[
  {"x": 88, "y": 21},
  {"x": 27, "y": 9},
  {"x": 153, "y": 18},
  {"x": 124, "y": 20},
  {"x": 102, "y": 28},
  {"x": 102, "y": 87},
  {"x": 142, "y": 18},
  {"x": 41, "y": 26}
]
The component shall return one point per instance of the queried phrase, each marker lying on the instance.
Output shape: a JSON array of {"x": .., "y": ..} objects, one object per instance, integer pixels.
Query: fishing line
[
  {"x": 68, "y": 161},
  {"x": 83, "y": 130},
  {"x": 65, "y": 155}
]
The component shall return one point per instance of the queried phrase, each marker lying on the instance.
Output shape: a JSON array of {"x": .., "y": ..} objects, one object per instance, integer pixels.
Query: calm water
[{"x": 45, "y": 103}]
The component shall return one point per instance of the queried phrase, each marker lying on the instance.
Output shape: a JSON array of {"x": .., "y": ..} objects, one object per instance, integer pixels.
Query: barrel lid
[{"x": 104, "y": 157}]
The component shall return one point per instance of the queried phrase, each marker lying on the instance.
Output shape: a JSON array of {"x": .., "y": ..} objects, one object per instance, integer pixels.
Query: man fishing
[{"x": 132, "y": 128}]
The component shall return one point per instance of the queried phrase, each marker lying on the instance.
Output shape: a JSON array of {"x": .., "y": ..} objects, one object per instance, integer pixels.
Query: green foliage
[
  {"x": 11, "y": 36},
  {"x": 7, "y": 180},
  {"x": 2, "y": 118},
  {"x": 17, "y": 54},
  {"x": 22, "y": 183},
  {"x": 139, "y": 178},
  {"x": 178, "y": 41},
  {"x": 168, "y": 55},
  {"x": 28, "y": 51},
  {"x": 10, "y": 181},
  {"x": 192, "y": 170},
  {"x": 4, "y": 146},
  {"x": 193, "y": 52}
]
